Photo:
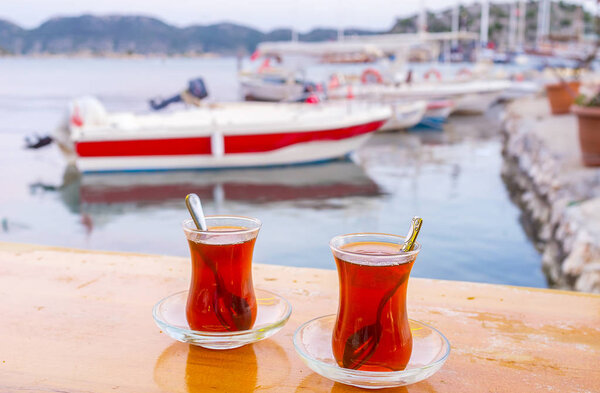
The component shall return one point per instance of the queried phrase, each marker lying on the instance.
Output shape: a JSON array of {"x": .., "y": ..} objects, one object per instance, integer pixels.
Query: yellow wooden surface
[{"x": 79, "y": 321}]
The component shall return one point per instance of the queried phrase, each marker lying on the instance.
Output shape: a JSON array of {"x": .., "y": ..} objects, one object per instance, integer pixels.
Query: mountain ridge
[
  {"x": 140, "y": 34},
  {"x": 145, "y": 35}
]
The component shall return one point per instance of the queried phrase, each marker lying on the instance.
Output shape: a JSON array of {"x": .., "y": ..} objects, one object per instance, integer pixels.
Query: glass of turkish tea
[
  {"x": 221, "y": 295},
  {"x": 371, "y": 331}
]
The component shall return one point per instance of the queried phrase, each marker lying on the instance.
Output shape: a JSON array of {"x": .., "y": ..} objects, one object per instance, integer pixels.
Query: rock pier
[{"x": 560, "y": 197}]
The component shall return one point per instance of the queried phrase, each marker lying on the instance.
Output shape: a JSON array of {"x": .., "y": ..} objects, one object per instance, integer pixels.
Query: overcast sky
[{"x": 263, "y": 14}]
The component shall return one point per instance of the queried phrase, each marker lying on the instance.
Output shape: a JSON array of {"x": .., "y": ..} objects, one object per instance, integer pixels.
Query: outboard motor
[
  {"x": 309, "y": 87},
  {"x": 197, "y": 88},
  {"x": 82, "y": 111},
  {"x": 195, "y": 92}
]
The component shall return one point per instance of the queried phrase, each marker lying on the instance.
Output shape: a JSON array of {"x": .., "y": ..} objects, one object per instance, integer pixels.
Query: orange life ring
[
  {"x": 433, "y": 71},
  {"x": 464, "y": 71},
  {"x": 371, "y": 72}
]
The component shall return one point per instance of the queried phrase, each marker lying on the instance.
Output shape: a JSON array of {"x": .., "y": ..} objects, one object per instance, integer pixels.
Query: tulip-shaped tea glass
[
  {"x": 221, "y": 296},
  {"x": 372, "y": 331}
]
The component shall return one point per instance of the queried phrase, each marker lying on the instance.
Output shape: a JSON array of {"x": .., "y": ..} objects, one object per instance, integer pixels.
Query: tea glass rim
[
  {"x": 406, "y": 257},
  {"x": 189, "y": 225}
]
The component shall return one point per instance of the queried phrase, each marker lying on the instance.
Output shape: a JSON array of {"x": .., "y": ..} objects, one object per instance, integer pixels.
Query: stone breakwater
[{"x": 560, "y": 198}]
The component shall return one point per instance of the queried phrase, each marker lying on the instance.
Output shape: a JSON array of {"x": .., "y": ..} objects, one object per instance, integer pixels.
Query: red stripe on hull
[
  {"x": 144, "y": 147},
  {"x": 267, "y": 142},
  {"x": 201, "y": 145}
]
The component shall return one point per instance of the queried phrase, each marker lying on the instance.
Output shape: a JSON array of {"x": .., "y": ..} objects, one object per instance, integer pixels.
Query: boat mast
[
  {"x": 521, "y": 26},
  {"x": 547, "y": 18},
  {"x": 455, "y": 22},
  {"x": 543, "y": 25},
  {"x": 422, "y": 28},
  {"x": 540, "y": 21},
  {"x": 579, "y": 29},
  {"x": 485, "y": 22},
  {"x": 512, "y": 27}
]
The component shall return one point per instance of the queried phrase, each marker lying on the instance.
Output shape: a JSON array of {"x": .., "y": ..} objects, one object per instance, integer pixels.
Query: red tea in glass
[
  {"x": 221, "y": 296},
  {"x": 372, "y": 332}
]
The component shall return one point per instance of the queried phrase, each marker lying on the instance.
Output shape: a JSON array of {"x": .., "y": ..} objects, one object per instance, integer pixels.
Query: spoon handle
[
  {"x": 413, "y": 232},
  {"x": 192, "y": 201}
]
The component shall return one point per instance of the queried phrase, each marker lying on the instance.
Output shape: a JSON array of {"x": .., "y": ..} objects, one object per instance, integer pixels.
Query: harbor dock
[
  {"x": 560, "y": 197},
  {"x": 80, "y": 321}
]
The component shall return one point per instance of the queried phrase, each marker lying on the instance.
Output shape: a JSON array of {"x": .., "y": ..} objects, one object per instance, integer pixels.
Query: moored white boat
[
  {"x": 519, "y": 89},
  {"x": 405, "y": 115},
  {"x": 468, "y": 96},
  {"x": 222, "y": 135},
  {"x": 438, "y": 110},
  {"x": 475, "y": 103},
  {"x": 271, "y": 87},
  {"x": 274, "y": 84}
]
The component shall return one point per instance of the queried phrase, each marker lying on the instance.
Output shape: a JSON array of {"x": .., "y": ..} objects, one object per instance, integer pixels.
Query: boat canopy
[{"x": 379, "y": 45}]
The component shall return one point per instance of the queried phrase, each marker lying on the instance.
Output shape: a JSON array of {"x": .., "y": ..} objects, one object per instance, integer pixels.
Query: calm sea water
[{"x": 452, "y": 179}]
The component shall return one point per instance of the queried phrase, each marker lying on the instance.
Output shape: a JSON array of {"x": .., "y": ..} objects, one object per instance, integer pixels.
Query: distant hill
[
  {"x": 122, "y": 34},
  {"x": 143, "y": 35},
  {"x": 565, "y": 19},
  {"x": 11, "y": 37}
]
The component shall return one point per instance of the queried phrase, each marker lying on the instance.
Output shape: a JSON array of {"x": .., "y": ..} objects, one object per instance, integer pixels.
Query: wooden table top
[{"x": 80, "y": 321}]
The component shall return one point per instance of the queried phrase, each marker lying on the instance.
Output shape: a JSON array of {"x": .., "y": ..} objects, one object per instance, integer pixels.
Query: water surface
[{"x": 452, "y": 179}]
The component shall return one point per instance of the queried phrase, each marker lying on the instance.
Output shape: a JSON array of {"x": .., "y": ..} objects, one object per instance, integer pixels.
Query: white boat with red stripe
[{"x": 224, "y": 135}]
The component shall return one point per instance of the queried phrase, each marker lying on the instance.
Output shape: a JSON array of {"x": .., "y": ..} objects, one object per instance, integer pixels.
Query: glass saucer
[
  {"x": 273, "y": 312},
  {"x": 312, "y": 341}
]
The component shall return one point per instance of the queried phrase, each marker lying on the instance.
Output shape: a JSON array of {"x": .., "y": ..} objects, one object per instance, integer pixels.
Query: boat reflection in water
[{"x": 97, "y": 193}]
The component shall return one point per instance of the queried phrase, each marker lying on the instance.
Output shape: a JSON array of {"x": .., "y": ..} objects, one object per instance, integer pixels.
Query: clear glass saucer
[
  {"x": 312, "y": 341},
  {"x": 273, "y": 312}
]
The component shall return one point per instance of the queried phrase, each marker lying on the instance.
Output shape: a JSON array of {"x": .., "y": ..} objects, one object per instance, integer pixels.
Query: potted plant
[
  {"x": 562, "y": 95},
  {"x": 587, "y": 110}
]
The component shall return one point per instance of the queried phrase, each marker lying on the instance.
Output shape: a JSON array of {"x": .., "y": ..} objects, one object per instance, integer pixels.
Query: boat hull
[
  {"x": 520, "y": 89},
  {"x": 301, "y": 153},
  {"x": 269, "y": 92},
  {"x": 438, "y": 111},
  {"x": 227, "y": 135},
  {"x": 438, "y": 114},
  {"x": 405, "y": 116},
  {"x": 469, "y": 97},
  {"x": 475, "y": 104}
]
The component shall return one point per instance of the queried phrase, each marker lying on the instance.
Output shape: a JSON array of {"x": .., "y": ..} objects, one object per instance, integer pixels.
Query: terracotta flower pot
[
  {"x": 561, "y": 96},
  {"x": 589, "y": 133}
]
